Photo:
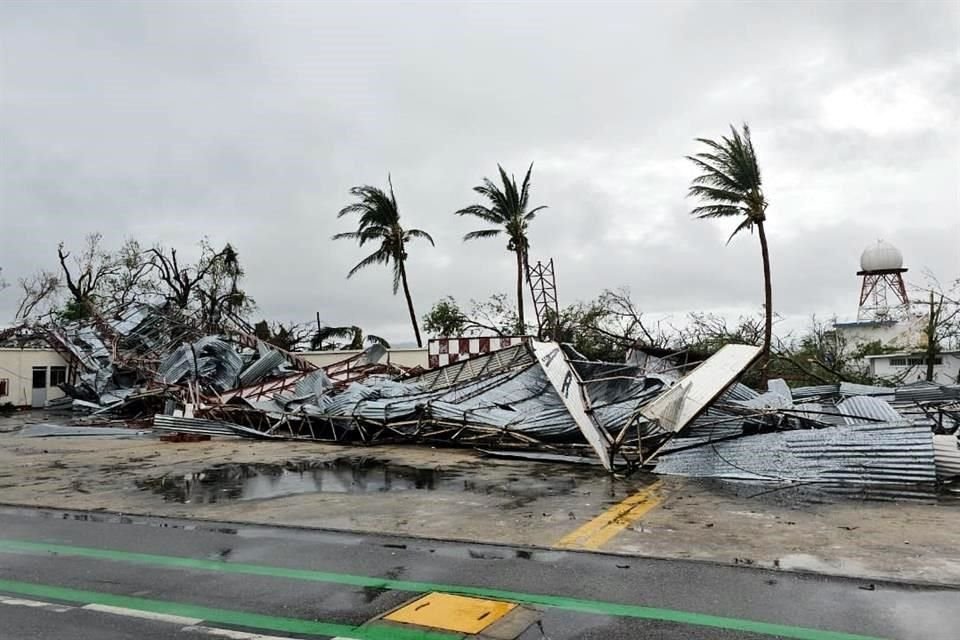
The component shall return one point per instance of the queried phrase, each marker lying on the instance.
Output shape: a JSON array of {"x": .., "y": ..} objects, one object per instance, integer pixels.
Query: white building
[
  {"x": 910, "y": 366},
  {"x": 907, "y": 333},
  {"x": 29, "y": 377}
]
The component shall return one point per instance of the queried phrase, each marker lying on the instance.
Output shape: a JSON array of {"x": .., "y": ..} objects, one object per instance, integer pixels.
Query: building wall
[
  {"x": 16, "y": 373},
  {"x": 905, "y": 334},
  {"x": 399, "y": 357},
  {"x": 895, "y": 365}
]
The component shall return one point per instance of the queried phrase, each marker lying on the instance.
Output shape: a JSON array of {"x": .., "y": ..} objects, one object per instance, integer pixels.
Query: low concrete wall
[
  {"x": 16, "y": 373},
  {"x": 399, "y": 357}
]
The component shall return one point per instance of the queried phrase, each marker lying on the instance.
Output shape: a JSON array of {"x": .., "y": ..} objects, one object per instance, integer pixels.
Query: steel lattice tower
[{"x": 543, "y": 287}]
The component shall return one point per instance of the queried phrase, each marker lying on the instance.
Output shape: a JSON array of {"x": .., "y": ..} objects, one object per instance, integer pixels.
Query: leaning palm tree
[
  {"x": 507, "y": 209},
  {"x": 730, "y": 186},
  {"x": 380, "y": 222}
]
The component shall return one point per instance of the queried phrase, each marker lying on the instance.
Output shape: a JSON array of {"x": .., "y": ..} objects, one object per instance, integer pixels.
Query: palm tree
[
  {"x": 730, "y": 186},
  {"x": 380, "y": 222},
  {"x": 508, "y": 210}
]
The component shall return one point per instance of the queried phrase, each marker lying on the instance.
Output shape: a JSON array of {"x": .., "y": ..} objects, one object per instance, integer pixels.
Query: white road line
[
  {"x": 23, "y": 602},
  {"x": 147, "y": 615},
  {"x": 236, "y": 635}
]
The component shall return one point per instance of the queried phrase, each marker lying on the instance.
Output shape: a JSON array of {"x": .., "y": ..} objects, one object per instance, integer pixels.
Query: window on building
[
  {"x": 898, "y": 362},
  {"x": 922, "y": 362},
  {"x": 58, "y": 375},
  {"x": 4, "y": 387}
]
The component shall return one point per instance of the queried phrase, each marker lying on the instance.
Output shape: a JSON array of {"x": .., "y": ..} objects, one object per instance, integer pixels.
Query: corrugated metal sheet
[
  {"x": 821, "y": 391},
  {"x": 192, "y": 425},
  {"x": 926, "y": 392},
  {"x": 261, "y": 367},
  {"x": 852, "y": 389},
  {"x": 738, "y": 391},
  {"x": 210, "y": 360},
  {"x": 889, "y": 453},
  {"x": 864, "y": 409},
  {"x": 480, "y": 366},
  {"x": 946, "y": 453}
]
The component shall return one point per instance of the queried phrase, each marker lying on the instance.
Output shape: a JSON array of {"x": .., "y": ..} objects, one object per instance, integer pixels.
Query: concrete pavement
[
  {"x": 460, "y": 495},
  {"x": 306, "y": 583}
]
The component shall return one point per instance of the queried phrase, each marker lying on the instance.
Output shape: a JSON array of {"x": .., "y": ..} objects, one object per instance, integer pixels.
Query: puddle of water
[{"x": 238, "y": 482}]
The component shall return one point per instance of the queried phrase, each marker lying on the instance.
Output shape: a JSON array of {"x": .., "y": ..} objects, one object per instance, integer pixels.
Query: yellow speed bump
[{"x": 451, "y": 613}]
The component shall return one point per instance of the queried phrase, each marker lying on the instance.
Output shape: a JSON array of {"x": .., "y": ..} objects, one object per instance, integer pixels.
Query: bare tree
[
  {"x": 133, "y": 277},
  {"x": 209, "y": 287},
  {"x": 39, "y": 292},
  {"x": 85, "y": 273},
  {"x": 219, "y": 295},
  {"x": 942, "y": 328},
  {"x": 178, "y": 280}
]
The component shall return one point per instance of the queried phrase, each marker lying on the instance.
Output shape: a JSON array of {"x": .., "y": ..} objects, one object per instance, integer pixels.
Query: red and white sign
[{"x": 444, "y": 351}]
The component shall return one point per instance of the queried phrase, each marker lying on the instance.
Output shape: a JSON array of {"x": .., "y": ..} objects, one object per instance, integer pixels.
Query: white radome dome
[{"x": 881, "y": 256}]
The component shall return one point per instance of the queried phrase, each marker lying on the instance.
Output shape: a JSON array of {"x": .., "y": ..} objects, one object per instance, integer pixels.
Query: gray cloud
[{"x": 249, "y": 122}]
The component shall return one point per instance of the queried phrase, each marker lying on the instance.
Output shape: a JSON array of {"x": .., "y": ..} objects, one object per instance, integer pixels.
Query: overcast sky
[{"x": 249, "y": 122}]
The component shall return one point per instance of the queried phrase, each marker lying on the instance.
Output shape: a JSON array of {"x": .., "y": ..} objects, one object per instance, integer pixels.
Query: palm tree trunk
[
  {"x": 523, "y": 325},
  {"x": 767, "y": 303},
  {"x": 413, "y": 315}
]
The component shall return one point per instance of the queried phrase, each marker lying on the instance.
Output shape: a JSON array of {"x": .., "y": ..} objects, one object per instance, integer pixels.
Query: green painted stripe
[
  {"x": 221, "y": 616},
  {"x": 557, "y": 602}
]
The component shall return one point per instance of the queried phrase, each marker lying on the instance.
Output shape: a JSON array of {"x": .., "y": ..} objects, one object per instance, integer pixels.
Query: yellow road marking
[
  {"x": 452, "y": 612},
  {"x": 605, "y": 526}
]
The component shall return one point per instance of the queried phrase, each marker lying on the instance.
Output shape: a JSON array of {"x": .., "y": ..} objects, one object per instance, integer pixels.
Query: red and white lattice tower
[
  {"x": 444, "y": 351},
  {"x": 883, "y": 294}
]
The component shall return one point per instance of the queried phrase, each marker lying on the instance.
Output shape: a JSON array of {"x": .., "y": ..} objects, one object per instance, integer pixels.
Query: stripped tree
[
  {"x": 380, "y": 222},
  {"x": 507, "y": 209},
  {"x": 730, "y": 186},
  {"x": 85, "y": 275}
]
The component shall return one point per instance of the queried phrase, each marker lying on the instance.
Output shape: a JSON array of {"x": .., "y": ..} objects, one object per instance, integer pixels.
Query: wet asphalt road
[{"x": 73, "y": 560}]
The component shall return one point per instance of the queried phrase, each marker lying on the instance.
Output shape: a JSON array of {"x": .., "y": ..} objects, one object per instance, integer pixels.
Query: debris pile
[
  {"x": 842, "y": 434},
  {"x": 532, "y": 399}
]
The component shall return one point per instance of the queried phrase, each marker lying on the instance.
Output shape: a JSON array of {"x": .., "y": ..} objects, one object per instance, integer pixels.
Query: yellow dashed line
[{"x": 605, "y": 526}]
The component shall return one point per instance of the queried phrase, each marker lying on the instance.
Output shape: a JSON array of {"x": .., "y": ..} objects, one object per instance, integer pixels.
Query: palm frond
[
  {"x": 716, "y": 211},
  {"x": 372, "y": 339},
  {"x": 533, "y": 212},
  {"x": 482, "y": 212},
  {"x": 418, "y": 233},
  {"x": 377, "y": 257},
  {"x": 482, "y": 233},
  {"x": 346, "y": 235},
  {"x": 714, "y": 194},
  {"x": 525, "y": 189},
  {"x": 746, "y": 223}
]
